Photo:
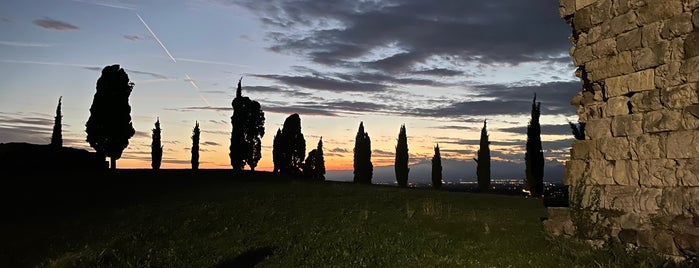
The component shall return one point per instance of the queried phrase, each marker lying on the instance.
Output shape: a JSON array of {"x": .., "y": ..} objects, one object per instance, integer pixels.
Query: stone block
[
  {"x": 688, "y": 172},
  {"x": 596, "y": 33},
  {"x": 657, "y": 10},
  {"x": 623, "y": 23},
  {"x": 620, "y": 6},
  {"x": 598, "y": 128},
  {"x": 649, "y": 146},
  {"x": 649, "y": 57},
  {"x": 601, "y": 11},
  {"x": 604, "y": 47},
  {"x": 695, "y": 17},
  {"x": 691, "y": 43},
  {"x": 614, "y": 148},
  {"x": 658, "y": 239},
  {"x": 633, "y": 82},
  {"x": 566, "y": 8},
  {"x": 690, "y": 117},
  {"x": 574, "y": 171},
  {"x": 674, "y": 51},
  {"x": 648, "y": 200},
  {"x": 674, "y": 201},
  {"x": 625, "y": 173},
  {"x": 627, "y": 125},
  {"x": 610, "y": 66},
  {"x": 630, "y": 40},
  {"x": 680, "y": 96},
  {"x": 581, "y": 20},
  {"x": 582, "y": 55},
  {"x": 579, "y": 4},
  {"x": 668, "y": 75},
  {"x": 646, "y": 101},
  {"x": 658, "y": 173},
  {"x": 581, "y": 149},
  {"x": 601, "y": 172},
  {"x": 683, "y": 144},
  {"x": 661, "y": 121},
  {"x": 690, "y": 4},
  {"x": 688, "y": 244},
  {"x": 624, "y": 198},
  {"x": 689, "y": 68},
  {"x": 617, "y": 106},
  {"x": 650, "y": 33},
  {"x": 677, "y": 26}
]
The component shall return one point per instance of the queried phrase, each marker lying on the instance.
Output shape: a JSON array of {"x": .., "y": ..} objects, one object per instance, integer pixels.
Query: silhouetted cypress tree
[
  {"x": 289, "y": 147},
  {"x": 109, "y": 127},
  {"x": 195, "y": 146},
  {"x": 483, "y": 161},
  {"x": 363, "y": 168},
  {"x": 248, "y": 122},
  {"x": 278, "y": 149},
  {"x": 314, "y": 167},
  {"x": 57, "y": 136},
  {"x": 578, "y": 130},
  {"x": 156, "y": 149},
  {"x": 437, "y": 168},
  {"x": 534, "y": 157},
  {"x": 401, "y": 163}
]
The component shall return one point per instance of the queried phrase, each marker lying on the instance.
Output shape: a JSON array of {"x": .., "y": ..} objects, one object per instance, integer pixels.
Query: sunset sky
[{"x": 439, "y": 67}]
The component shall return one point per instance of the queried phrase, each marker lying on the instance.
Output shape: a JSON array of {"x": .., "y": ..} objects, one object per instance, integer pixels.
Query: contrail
[
  {"x": 191, "y": 81},
  {"x": 156, "y": 38},
  {"x": 105, "y": 5}
]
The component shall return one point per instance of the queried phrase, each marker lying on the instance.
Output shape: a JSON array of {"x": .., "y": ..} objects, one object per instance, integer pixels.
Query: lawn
[{"x": 216, "y": 219}]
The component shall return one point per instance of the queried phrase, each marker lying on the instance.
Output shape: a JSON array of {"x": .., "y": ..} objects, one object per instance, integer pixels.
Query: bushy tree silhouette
[
  {"x": 289, "y": 147},
  {"x": 578, "y": 130},
  {"x": 534, "y": 156},
  {"x": 401, "y": 163},
  {"x": 363, "y": 168},
  {"x": 437, "y": 168},
  {"x": 314, "y": 167},
  {"x": 248, "y": 123},
  {"x": 195, "y": 146},
  {"x": 109, "y": 127},
  {"x": 483, "y": 161},
  {"x": 57, "y": 136},
  {"x": 156, "y": 148}
]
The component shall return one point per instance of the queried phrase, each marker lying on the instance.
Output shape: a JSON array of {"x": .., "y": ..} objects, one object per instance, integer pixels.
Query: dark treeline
[{"x": 109, "y": 129}]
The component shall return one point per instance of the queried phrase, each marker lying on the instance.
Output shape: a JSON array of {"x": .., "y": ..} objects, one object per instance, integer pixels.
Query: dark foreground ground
[{"x": 215, "y": 218}]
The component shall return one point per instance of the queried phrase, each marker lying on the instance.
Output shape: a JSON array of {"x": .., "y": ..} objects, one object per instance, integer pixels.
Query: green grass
[{"x": 223, "y": 223}]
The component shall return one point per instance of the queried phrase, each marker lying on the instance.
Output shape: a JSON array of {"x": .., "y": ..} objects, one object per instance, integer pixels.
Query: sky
[{"x": 439, "y": 67}]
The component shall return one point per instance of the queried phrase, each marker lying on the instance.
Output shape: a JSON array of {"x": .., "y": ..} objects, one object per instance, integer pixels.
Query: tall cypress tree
[
  {"x": 248, "y": 123},
  {"x": 401, "y": 163},
  {"x": 437, "y": 168},
  {"x": 109, "y": 127},
  {"x": 363, "y": 168},
  {"x": 534, "y": 157},
  {"x": 57, "y": 136},
  {"x": 195, "y": 146},
  {"x": 483, "y": 161},
  {"x": 314, "y": 167},
  {"x": 156, "y": 147},
  {"x": 278, "y": 149}
]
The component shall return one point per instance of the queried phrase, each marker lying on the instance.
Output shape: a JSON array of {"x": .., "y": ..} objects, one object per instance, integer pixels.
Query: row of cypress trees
[{"x": 109, "y": 128}]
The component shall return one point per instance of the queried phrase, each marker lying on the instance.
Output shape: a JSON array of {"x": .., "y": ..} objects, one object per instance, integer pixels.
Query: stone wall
[{"x": 637, "y": 171}]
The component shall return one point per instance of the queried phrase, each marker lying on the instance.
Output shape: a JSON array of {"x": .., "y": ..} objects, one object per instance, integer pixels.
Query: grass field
[{"x": 200, "y": 219}]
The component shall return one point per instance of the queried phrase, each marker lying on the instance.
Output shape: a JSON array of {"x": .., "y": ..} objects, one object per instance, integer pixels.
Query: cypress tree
[
  {"x": 534, "y": 156},
  {"x": 156, "y": 147},
  {"x": 401, "y": 163},
  {"x": 483, "y": 161},
  {"x": 57, "y": 136},
  {"x": 289, "y": 147},
  {"x": 109, "y": 127},
  {"x": 248, "y": 128},
  {"x": 437, "y": 168},
  {"x": 363, "y": 168},
  {"x": 314, "y": 167},
  {"x": 195, "y": 146}
]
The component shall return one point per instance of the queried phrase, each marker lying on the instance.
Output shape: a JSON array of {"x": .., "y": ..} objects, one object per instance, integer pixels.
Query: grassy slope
[{"x": 196, "y": 222}]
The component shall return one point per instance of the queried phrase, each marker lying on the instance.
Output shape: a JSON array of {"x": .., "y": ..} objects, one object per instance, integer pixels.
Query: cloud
[
  {"x": 346, "y": 32},
  {"x": 51, "y": 24},
  {"x": 153, "y": 75},
  {"x": 136, "y": 37},
  {"x": 339, "y": 150},
  {"x": 24, "y": 44},
  {"x": 545, "y": 130},
  {"x": 324, "y": 83}
]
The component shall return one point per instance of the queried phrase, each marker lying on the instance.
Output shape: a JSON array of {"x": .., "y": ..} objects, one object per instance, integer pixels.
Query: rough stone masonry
[{"x": 635, "y": 177}]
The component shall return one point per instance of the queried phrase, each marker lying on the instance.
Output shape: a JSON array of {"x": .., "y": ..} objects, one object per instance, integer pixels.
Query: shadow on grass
[{"x": 248, "y": 258}]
